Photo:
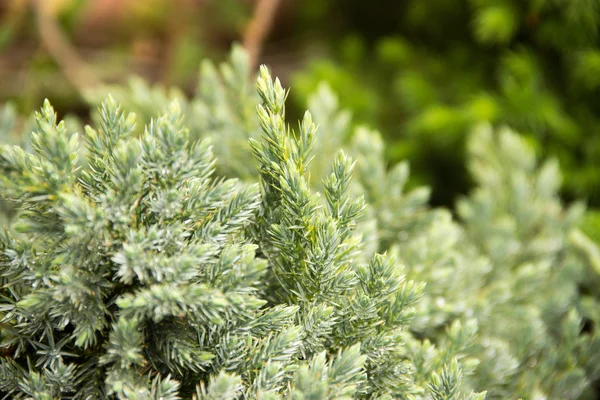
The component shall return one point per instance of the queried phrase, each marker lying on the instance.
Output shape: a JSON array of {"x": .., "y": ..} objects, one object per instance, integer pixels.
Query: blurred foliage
[
  {"x": 425, "y": 72},
  {"x": 159, "y": 40}
]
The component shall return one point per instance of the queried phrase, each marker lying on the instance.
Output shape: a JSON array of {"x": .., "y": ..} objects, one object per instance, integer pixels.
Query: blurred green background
[{"x": 421, "y": 71}]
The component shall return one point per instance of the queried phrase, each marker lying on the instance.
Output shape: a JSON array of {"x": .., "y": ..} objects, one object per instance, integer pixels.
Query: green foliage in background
[
  {"x": 132, "y": 271},
  {"x": 426, "y": 72},
  {"x": 9, "y": 134},
  {"x": 105, "y": 41}
]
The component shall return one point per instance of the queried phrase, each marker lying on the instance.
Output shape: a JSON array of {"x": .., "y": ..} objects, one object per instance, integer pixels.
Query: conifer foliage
[
  {"x": 515, "y": 262},
  {"x": 132, "y": 271}
]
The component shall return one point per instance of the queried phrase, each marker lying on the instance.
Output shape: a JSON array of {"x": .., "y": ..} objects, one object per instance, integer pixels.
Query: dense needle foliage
[{"x": 131, "y": 270}]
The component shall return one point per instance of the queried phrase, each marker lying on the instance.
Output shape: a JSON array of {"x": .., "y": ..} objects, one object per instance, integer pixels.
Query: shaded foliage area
[{"x": 425, "y": 72}]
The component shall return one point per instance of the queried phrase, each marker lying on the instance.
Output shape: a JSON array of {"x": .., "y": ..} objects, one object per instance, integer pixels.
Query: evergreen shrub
[{"x": 131, "y": 270}]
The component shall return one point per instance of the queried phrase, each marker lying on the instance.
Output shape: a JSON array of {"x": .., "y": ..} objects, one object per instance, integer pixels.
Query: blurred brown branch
[
  {"x": 259, "y": 28},
  {"x": 59, "y": 47}
]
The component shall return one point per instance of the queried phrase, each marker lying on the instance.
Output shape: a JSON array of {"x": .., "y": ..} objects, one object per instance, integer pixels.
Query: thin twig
[
  {"x": 57, "y": 44},
  {"x": 258, "y": 28}
]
